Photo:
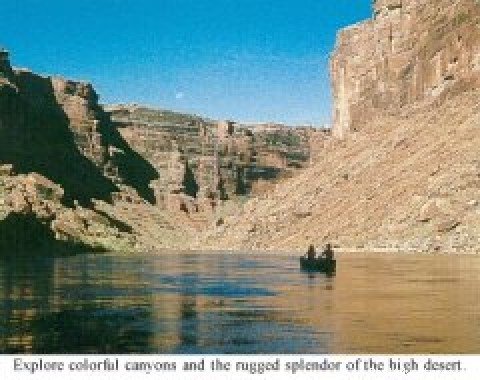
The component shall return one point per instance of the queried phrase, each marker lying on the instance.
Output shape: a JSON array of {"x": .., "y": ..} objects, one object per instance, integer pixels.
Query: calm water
[{"x": 239, "y": 304}]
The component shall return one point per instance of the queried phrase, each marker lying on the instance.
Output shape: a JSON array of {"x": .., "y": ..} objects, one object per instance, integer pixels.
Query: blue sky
[{"x": 249, "y": 60}]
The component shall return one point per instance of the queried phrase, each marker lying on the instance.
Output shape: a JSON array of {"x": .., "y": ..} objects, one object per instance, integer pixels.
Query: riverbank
[{"x": 284, "y": 253}]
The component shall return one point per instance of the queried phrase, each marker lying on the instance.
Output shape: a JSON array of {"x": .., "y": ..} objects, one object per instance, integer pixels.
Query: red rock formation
[
  {"x": 410, "y": 51},
  {"x": 57, "y": 128},
  {"x": 227, "y": 159}
]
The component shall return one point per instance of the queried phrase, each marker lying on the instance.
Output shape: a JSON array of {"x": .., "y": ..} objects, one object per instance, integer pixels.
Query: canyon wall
[
  {"x": 224, "y": 159},
  {"x": 129, "y": 176},
  {"x": 59, "y": 154},
  {"x": 405, "y": 173},
  {"x": 36, "y": 136},
  {"x": 55, "y": 127},
  {"x": 411, "y": 50}
]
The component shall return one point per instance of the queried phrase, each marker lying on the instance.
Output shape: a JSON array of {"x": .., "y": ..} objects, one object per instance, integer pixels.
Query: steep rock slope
[
  {"x": 406, "y": 173},
  {"x": 59, "y": 153},
  {"x": 406, "y": 182}
]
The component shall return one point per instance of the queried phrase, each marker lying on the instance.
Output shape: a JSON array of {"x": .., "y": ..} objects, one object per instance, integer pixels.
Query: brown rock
[
  {"x": 6, "y": 170},
  {"x": 410, "y": 51},
  {"x": 447, "y": 225}
]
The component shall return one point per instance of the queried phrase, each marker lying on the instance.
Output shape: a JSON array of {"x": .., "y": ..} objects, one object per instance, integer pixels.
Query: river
[{"x": 239, "y": 304}]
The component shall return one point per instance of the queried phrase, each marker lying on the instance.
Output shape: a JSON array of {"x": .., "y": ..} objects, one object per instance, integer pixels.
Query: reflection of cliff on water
[
  {"x": 393, "y": 303},
  {"x": 405, "y": 304},
  {"x": 48, "y": 307},
  {"x": 25, "y": 289},
  {"x": 214, "y": 304}
]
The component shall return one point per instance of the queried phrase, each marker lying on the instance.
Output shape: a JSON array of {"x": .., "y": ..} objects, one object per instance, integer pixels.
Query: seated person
[
  {"x": 311, "y": 252},
  {"x": 328, "y": 252}
]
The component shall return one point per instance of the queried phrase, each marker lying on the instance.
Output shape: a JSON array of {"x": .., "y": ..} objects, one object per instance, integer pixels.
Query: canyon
[
  {"x": 402, "y": 173},
  {"x": 126, "y": 177},
  {"x": 399, "y": 170}
]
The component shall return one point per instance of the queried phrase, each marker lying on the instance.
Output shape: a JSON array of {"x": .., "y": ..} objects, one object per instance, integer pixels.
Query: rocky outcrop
[
  {"x": 56, "y": 127},
  {"x": 33, "y": 218},
  {"x": 36, "y": 136},
  {"x": 203, "y": 162},
  {"x": 412, "y": 50},
  {"x": 406, "y": 183},
  {"x": 66, "y": 155}
]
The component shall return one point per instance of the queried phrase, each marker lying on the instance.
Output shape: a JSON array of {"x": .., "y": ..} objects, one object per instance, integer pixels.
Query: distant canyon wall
[
  {"x": 225, "y": 159},
  {"x": 410, "y": 51}
]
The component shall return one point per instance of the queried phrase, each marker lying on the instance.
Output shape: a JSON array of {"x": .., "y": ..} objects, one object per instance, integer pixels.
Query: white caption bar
[{"x": 214, "y": 367}]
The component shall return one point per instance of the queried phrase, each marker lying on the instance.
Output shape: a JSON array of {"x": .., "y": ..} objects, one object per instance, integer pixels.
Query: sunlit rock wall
[
  {"x": 411, "y": 50},
  {"x": 227, "y": 159}
]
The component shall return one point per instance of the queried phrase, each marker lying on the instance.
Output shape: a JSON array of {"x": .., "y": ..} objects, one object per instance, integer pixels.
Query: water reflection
[
  {"x": 238, "y": 304},
  {"x": 48, "y": 306}
]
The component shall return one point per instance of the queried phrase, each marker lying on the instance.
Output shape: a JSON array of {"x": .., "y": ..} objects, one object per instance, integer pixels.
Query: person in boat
[
  {"x": 328, "y": 252},
  {"x": 311, "y": 252}
]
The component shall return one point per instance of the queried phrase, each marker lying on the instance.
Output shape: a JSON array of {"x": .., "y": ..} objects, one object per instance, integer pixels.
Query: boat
[{"x": 319, "y": 264}]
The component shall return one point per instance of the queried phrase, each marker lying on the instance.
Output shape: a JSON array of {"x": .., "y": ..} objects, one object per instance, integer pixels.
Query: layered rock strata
[
  {"x": 411, "y": 50},
  {"x": 226, "y": 160},
  {"x": 142, "y": 181}
]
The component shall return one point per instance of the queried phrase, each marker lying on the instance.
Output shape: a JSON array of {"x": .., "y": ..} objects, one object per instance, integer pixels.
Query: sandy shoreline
[{"x": 340, "y": 251}]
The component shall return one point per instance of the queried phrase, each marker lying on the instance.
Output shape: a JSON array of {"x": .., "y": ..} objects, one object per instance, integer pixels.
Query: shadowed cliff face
[
  {"x": 99, "y": 140},
  {"x": 56, "y": 128},
  {"x": 133, "y": 169},
  {"x": 25, "y": 233},
  {"x": 35, "y": 137}
]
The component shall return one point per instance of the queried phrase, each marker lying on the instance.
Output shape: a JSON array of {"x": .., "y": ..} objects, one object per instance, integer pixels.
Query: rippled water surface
[{"x": 204, "y": 303}]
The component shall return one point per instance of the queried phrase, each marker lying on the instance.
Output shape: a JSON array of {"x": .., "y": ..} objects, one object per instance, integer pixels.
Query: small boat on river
[{"x": 319, "y": 264}]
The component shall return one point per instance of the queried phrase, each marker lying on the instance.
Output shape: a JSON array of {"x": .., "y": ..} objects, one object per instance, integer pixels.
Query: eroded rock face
[
  {"x": 79, "y": 102},
  {"x": 32, "y": 204},
  {"x": 220, "y": 160},
  {"x": 56, "y": 127},
  {"x": 6, "y": 71},
  {"x": 36, "y": 136},
  {"x": 408, "y": 180},
  {"x": 411, "y": 50}
]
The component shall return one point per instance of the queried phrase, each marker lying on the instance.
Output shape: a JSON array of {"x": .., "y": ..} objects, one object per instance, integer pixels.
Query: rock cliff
[
  {"x": 405, "y": 176},
  {"x": 405, "y": 182},
  {"x": 225, "y": 159},
  {"x": 53, "y": 131},
  {"x": 144, "y": 179},
  {"x": 411, "y": 50},
  {"x": 56, "y": 127}
]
